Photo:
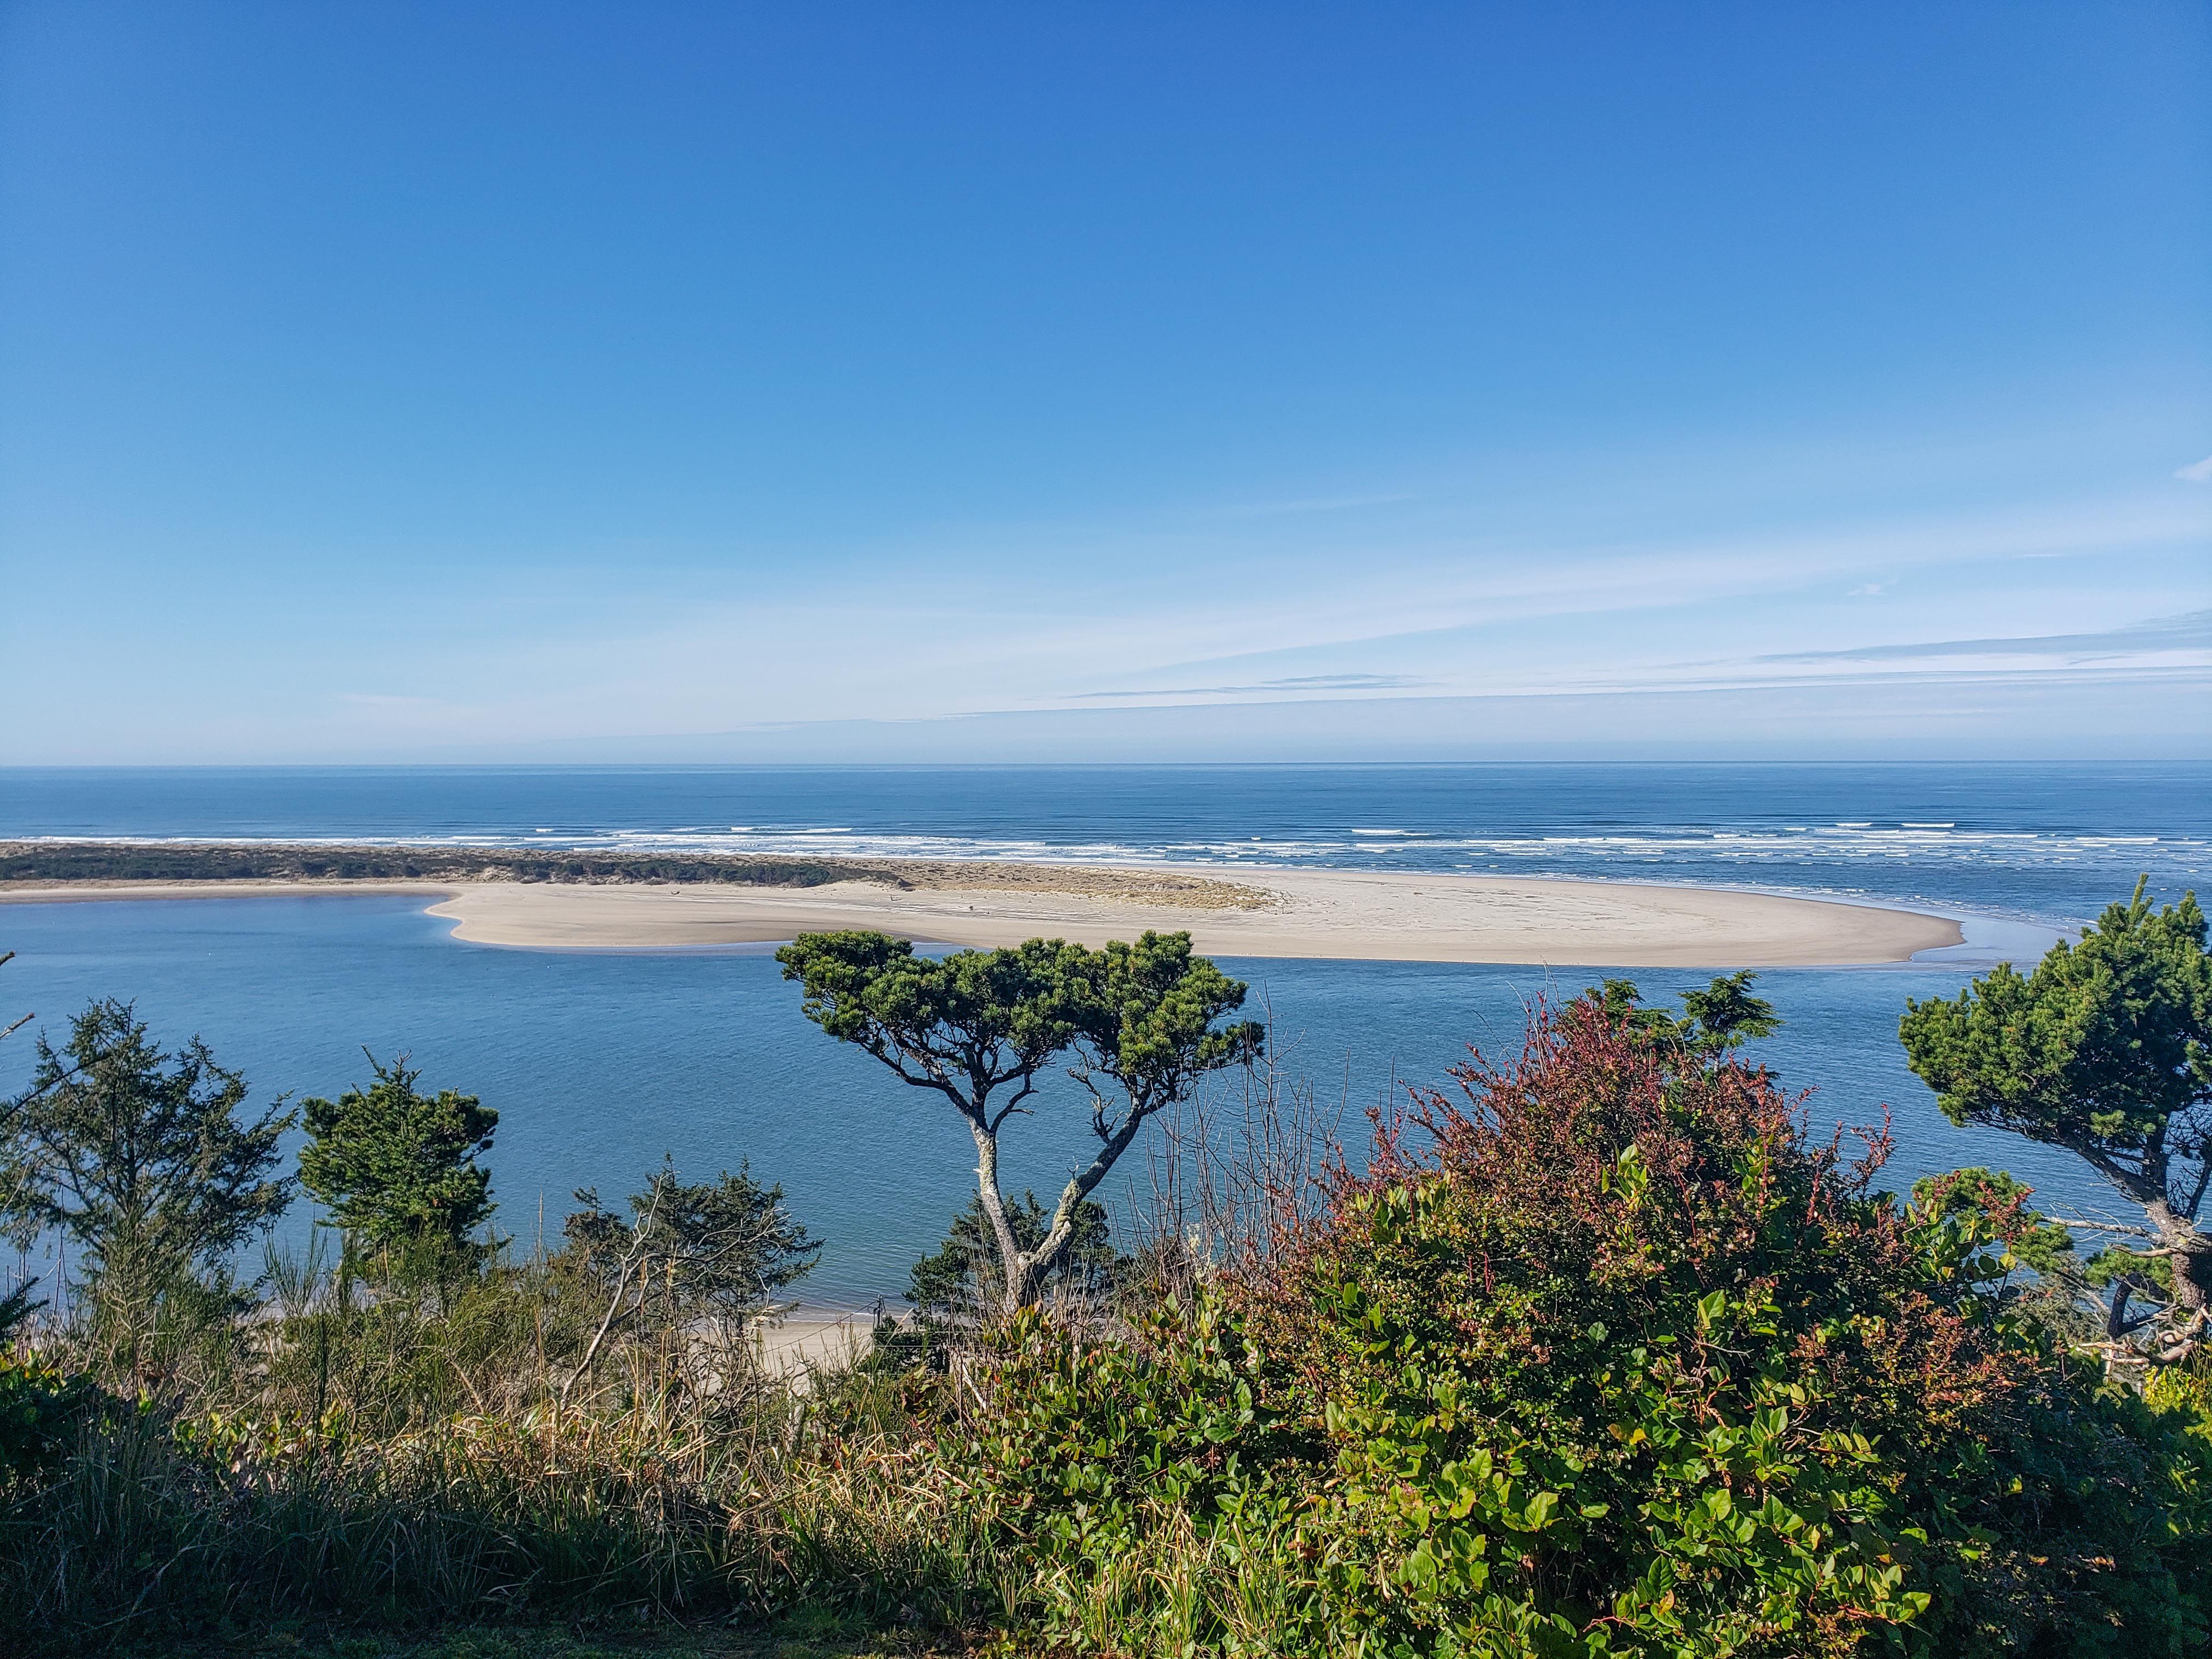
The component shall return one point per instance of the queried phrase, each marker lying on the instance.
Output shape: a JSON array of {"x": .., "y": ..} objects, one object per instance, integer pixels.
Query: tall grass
[
  {"x": 157, "y": 1523},
  {"x": 424, "y": 1446}
]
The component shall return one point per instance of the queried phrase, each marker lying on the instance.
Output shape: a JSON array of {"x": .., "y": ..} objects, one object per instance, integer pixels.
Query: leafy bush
[
  {"x": 1149, "y": 1492},
  {"x": 1617, "y": 1360},
  {"x": 1601, "y": 1356},
  {"x": 39, "y": 1412}
]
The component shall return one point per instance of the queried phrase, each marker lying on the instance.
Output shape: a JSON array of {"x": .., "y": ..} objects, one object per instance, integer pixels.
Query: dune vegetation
[{"x": 1593, "y": 1348}]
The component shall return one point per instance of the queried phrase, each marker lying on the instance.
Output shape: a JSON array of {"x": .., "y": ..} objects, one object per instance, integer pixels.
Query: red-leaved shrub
[{"x": 1614, "y": 1357}]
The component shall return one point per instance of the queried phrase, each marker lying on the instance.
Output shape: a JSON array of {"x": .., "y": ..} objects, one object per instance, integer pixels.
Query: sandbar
[{"x": 1323, "y": 915}]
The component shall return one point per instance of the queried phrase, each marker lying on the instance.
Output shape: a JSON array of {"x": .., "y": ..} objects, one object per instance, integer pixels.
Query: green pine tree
[{"x": 395, "y": 1166}]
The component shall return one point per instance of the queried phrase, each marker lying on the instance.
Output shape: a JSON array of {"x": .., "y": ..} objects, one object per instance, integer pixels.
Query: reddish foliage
[{"x": 1545, "y": 1236}]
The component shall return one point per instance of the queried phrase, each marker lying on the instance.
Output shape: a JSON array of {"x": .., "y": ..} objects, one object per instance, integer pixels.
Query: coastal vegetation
[
  {"x": 1596, "y": 1349},
  {"x": 392, "y": 1165},
  {"x": 2105, "y": 1050},
  {"x": 1141, "y": 1020},
  {"x": 152, "y": 861},
  {"x": 65, "y": 863}
]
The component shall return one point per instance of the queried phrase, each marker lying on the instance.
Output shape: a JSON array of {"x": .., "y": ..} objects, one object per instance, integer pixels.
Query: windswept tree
[
  {"x": 140, "y": 1158},
  {"x": 2105, "y": 1049},
  {"x": 396, "y": 1167},
  {"x": 979, "y": 1026}
]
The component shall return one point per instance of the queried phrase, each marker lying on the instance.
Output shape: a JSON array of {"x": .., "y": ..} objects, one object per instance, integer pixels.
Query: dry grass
[{"x": 648, "y": 1501}]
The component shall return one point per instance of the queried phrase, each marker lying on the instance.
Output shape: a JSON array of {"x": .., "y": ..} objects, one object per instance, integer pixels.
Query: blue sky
[{"x": 463, "y": 381}]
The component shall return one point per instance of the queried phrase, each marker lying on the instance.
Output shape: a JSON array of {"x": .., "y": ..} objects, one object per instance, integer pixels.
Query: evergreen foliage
[
  {"x": 393, "y": 1164},
  {"x": 969, "y": 1025},
  {"x": 1717, "y": 1020},
  {"x": 69, "y": 861},
  {"x": 689, "y": 1266},
  {"x": 137, "y": 1156},
  {"x": 2105, "y": 1049}
]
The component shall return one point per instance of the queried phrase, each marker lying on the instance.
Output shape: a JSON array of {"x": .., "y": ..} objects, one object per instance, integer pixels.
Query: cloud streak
[
  {"x": 2181, "y": 633},
  {"x": 1275, "y": 688}
]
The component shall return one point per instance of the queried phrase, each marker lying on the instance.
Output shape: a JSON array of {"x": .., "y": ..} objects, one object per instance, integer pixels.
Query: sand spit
[
  {"x": 1345, "y": 915},
  {"x": 1334, "y": 914}
]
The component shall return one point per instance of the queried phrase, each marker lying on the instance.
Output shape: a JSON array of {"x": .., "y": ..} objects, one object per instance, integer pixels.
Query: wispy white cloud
[
  {"x": 1289, "y": 686},
  {"x": 1380, "y": 602},
  {"x": 2192, "y": 632},
  {"x": 1501, "y": 615},
  {"x": 2196, "y": 472},
  {"x": 1359, "y": 600}
]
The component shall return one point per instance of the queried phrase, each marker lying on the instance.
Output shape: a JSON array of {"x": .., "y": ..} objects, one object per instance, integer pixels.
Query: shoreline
[{"x": 1310, "y": 914}]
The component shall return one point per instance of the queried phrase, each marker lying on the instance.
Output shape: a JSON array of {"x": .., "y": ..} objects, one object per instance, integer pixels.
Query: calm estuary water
[{"x": 600, "y": 1063}]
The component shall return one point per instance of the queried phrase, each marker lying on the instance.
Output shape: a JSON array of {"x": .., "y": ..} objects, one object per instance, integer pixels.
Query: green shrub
[
  {"x": 1618, "y": 1361},
  {"x": 38, "y": 1411},
  {"x": 1602, "y": 1357},
  {"x": 1145, "y": 1491}
]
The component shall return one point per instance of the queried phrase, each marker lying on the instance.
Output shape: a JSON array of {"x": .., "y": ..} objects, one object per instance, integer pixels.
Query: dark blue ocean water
[{"x": 599, "y": 1063}]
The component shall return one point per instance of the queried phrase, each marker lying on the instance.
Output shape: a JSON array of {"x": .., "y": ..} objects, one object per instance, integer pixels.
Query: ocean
[{"x": 601, "y": 1063}]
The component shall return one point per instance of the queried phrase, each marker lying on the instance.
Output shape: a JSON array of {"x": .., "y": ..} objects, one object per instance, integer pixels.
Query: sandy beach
[{"x": 1334, "y": 914}]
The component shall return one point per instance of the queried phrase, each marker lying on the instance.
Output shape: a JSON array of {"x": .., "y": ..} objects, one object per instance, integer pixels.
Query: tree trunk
[
  {"x": 1024, "y": 1274},
  {"x": 1014, "y": 1266},
  {"x": 1077, "y": 1189},
  {"x": 2191, "y": 1255},
  {"x": 2115, "y": 1321},
  {"x": 1063, "y": 1229}
]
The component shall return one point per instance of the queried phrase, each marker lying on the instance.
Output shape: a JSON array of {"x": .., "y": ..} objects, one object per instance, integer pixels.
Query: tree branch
[
  {"x": 633, "y": 1260},
  {"x": 1028, "y": 1088}
]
